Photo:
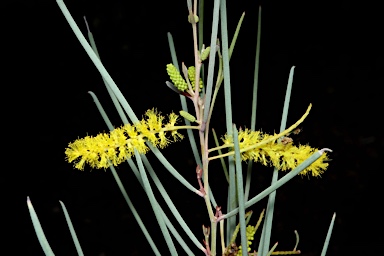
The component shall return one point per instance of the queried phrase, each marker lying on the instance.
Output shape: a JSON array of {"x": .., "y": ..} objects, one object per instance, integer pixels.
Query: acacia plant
[{"x": 229, "y": 231}]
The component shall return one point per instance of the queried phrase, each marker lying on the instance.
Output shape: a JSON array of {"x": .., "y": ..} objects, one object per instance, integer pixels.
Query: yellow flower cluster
[
  {"x": 250, "y": 231},
  {"x": 118, "y": 145},
  {"x": 283, "y": 156}
]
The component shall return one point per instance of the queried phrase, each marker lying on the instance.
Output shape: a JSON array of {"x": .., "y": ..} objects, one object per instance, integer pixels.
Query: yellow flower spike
[
  {"x": 114, "y": 147},
  {"x": 176, "y": 78},
  {"x": 273, "y": 153}
]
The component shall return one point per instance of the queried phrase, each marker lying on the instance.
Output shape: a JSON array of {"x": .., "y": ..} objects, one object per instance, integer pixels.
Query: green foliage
[{"x": 130, "y": 142}]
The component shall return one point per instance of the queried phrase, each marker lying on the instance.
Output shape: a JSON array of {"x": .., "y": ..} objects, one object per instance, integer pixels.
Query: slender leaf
[
  {"x": 72, "y": 230},
  {"x": 39, "y": 230}
]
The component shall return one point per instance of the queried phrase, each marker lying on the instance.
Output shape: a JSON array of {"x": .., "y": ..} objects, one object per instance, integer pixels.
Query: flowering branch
[{"x": 119, "y": 145}]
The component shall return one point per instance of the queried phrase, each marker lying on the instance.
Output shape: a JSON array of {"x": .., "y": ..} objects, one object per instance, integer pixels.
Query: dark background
[{"x": 335, "y": 46}]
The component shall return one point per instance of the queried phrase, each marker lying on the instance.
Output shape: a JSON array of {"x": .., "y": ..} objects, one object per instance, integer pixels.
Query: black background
[{"x": 337, "y": 51}]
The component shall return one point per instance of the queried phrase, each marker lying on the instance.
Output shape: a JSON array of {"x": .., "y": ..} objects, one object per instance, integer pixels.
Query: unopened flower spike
[
  {"x": 205, "y": 53},
  {"x": 176, "y": 78},
  {"x": 187, "y": 116},
  {"x": 191, "y": 77}
]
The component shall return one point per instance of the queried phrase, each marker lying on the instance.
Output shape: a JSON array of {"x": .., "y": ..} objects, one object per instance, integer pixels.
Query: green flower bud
[
  {"x": 187, "y": 116},
  {"x": 205, "y": 53},
  {"x": 195, "y": 19},
  {"x": 176, "y": 78}
]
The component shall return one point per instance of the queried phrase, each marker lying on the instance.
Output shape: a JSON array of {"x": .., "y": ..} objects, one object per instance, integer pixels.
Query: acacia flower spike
[
  {"x": 176, "y": 78},
  {"x": 270, "y": 139},
  {"x": 117, "y": 146},
  {"x": 192, "y": 78},
  {"x": 267, "y": 150}
]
